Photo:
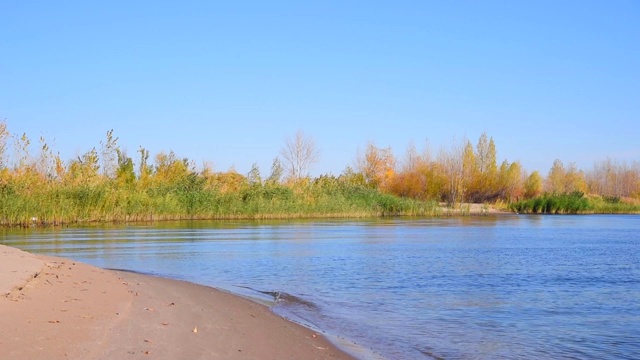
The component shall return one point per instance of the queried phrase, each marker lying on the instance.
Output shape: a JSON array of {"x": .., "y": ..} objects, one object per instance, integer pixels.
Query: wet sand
[{"x": 55, "y": 308}]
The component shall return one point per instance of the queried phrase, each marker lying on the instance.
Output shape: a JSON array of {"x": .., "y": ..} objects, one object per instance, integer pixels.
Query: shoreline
[
  {"x": 57, "y": 308},
  {"x": 440, "y": 211}
]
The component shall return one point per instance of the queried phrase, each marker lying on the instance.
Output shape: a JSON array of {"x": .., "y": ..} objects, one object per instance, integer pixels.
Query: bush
[{"x": 572, "y": 203}]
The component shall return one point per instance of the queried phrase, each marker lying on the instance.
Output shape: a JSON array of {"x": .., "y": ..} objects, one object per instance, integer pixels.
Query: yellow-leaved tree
[{"x": 377, "y": 165}]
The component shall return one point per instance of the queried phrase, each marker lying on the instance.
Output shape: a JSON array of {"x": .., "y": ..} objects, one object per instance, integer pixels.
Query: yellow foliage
[
  {"x": 168, "y": 169},
  {"x": 378, "y": 165},
  {"x": 228, "y": 182}
]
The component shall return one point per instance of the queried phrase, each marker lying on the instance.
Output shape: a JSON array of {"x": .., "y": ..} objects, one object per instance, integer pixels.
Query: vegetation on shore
[
  {"x": 198, "y": 196},
  {"x": 553, "y": 204},
  {"x": 573, "y": 203},
  {"x": 106, "y": 185}
]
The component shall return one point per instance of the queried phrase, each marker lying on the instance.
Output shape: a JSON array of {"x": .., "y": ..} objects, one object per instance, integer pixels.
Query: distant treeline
[
  {"x": 105, "y": 184},
  {"x": 465, "y": 173}
]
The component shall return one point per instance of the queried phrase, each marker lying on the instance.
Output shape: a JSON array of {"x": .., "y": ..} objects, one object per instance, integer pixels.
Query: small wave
[
  {"x": 429, "y": 352},
  {"x": 131, "y": 271},
  {"x": 284, "y": 298}
]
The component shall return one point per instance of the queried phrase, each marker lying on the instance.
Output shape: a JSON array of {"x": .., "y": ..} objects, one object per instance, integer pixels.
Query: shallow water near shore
[{"x": 510, "y": 286}]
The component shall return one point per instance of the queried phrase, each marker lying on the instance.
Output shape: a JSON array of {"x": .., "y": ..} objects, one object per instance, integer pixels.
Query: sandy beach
[{"x": 55, "y": 308}]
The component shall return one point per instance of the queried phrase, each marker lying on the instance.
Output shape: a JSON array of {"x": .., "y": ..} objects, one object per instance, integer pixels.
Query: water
[{"x": 512, "y": 287}]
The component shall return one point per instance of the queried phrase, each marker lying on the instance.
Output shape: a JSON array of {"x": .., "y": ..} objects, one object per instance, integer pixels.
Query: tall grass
[
  {"x": 574, "y": 203},
  {"x": 613, "y": 205},
  {"x": 109, "y": 202}
]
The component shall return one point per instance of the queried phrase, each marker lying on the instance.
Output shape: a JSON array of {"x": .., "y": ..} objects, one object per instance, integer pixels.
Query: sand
[{"x": 55, "y": 308}]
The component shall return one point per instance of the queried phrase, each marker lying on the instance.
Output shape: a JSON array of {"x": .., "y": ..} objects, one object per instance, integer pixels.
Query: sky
[{"x": 225, "y": 82}]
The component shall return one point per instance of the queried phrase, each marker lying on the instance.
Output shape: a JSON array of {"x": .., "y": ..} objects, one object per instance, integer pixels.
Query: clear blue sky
[{"x": 226, "y": 81}]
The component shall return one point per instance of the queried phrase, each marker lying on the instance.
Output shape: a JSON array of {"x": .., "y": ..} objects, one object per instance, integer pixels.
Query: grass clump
[
  {"x": 573, "y": 203},
  {"x": 614, "y": 205}
]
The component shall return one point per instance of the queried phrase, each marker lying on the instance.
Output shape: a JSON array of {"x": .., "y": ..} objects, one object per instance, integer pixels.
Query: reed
[
  {"x": 613, "y": 205},
  {"x": 573, "y": 203},
  {"x": 108, "y": 201}
]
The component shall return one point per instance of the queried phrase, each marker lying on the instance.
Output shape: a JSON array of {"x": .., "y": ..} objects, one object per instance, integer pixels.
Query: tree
[
  {"x": 563, "y": 180},
  {"x": 486, "y": 172},
  {"x": 510, "y": 176},
  {"x": 144, "y": 169},
  {"x": 4, "y": 138},
  {"x": 276, "y": 172},
  {"x": 109, "y": 155},
  {"x": 533, "y": 185},
  {"x": 556, "y": 178},
  {"x": 604, "y": 178},
  {"x": 486, "y": 155},
  {"x": 411, "y": 158},
  {"x": 253, "y": 177},
  {"x": 614, "y": 179},
  {"x": 299, "y": 154},
  {"x": 377, "y": 165},
  {"x": 411, "y": 178},
  {"x": 469, "y": 171},
  {"x": 574, "y": 180},
  {"x": 451, "y": 167},
  {"x": 169, "y": 169}
]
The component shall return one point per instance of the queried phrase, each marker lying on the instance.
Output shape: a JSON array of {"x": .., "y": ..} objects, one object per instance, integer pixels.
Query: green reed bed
[
  {"x": 573, "y": 203},
  {"x": 109, "y": 202}
]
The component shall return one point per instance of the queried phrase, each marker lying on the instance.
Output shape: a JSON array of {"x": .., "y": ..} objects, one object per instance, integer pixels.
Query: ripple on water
[{"x": 513, "y": 287}]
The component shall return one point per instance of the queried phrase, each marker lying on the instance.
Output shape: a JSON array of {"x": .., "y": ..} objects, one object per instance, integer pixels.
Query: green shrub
[{"x": 573, "y": 203}]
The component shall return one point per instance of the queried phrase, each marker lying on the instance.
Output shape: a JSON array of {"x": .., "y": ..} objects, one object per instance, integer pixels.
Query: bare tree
[
  {"x": 299, "y": 154},
  {"x": 613, "y": 178},
  {"x": 109, "y": 155},
  {"x": 411, "y": 158},
  {"x": 5, "y": 135},
  {"x": 451, "y": 160}
]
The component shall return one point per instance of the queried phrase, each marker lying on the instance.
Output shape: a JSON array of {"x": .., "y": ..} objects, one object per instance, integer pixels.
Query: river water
[{"x": 509, "y": 287}]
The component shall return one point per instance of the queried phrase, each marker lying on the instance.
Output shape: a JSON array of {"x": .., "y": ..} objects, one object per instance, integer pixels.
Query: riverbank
[{"x": 55, "y": 308}]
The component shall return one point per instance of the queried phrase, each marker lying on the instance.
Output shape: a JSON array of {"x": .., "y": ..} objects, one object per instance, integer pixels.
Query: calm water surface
[{"x": 512, "y": 287}]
